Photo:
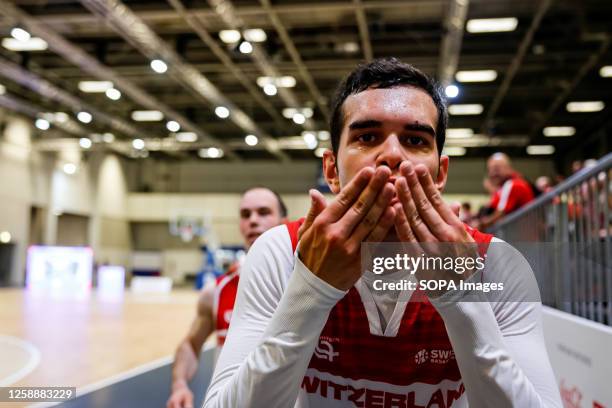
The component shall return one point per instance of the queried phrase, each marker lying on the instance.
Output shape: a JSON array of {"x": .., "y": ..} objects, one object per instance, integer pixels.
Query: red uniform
[
  {"x": 414, "y": 357},
  {"x": 513, "y": 194},
  {"x": 225, "y": 297}
]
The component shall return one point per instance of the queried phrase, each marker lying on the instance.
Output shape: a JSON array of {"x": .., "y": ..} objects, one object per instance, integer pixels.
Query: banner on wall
[{"x": 580, "y": 355}]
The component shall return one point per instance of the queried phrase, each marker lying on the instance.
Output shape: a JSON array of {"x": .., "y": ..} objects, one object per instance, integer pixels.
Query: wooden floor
[{"x": 89, "y": 340}]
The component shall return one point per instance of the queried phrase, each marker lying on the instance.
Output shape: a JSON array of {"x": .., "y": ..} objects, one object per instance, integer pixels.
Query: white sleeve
[
  {"x": 499, "y": 346},
  {"x": 277, "y": 319}
]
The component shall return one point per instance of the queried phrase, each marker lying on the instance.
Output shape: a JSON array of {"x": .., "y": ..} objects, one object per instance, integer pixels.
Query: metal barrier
[{"x": 576, "y": 219}]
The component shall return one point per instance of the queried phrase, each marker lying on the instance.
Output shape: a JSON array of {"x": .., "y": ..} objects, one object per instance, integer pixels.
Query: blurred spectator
[
  {"x": 576, "y": 166},
  {"x": 466, "y": 214},
  {"x": 543, "y": 184},
  {"x": 512, "y": 193}
]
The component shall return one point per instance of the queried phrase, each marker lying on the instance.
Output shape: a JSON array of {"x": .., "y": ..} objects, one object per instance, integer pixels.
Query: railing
[{"x": 572, "y": 225}]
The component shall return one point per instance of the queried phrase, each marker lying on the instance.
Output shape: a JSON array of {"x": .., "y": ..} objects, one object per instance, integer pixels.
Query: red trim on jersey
[
  {"x": 225, "y": 296},
  {"x": 421, "y": 351}
]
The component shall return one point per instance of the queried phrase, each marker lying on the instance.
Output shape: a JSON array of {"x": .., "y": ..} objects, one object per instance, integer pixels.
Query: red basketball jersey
[
  {"x": 412, "y": 368},
  {"x": 225, "y": 297}
]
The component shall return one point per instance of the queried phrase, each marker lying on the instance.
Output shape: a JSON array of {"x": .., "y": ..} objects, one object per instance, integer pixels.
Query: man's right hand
[
  {"x": 331, "y": 237},
  {"x": 181, "y": 397}
]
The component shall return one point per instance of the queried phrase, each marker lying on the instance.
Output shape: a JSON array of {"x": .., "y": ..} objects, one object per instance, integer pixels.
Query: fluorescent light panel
[
  {"x": 465, "y": 109},
  {"x": 229, "y": 36},
  {"x": 186, "y": 137},
  {"x": 538, "y": 150},
  {"x": 147, "y": 116},
  {"x": 585, "y": 106},
  {"x": 33, "y": 44},
  {"x": 95, "y": 86},
  {"x": 459, "y": 133},
  {"x": 485, "y": 75},
  {"x": 255, "y": 35},
  {"x": 559, "y": 131},
  {"x": 606, "y": 71},
  {"x": 454, "y": 151},
  {"x": 491, "y": 25}
]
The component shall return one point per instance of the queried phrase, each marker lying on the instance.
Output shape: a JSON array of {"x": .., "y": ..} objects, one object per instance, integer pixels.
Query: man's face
[
  {"x": 498, "y": 171},
  {"x": 259, "y": 211},
  {"x": 386, "y": 127}
]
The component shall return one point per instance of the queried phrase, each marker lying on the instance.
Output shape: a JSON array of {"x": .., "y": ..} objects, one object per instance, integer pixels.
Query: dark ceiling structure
[{"x": 555, "y": 55}]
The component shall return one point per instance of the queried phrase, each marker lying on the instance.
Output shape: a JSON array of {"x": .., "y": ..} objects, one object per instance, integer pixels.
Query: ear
[
  {"x": 330, "y": 171},
  {"x": 442, "y": 173}
]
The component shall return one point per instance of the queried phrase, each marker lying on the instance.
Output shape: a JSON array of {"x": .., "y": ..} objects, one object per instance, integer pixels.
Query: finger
[
  {"x": 402, "y": 227},
  {"x": 385, "y": 222},
  {"x": 430, "y": 216},
  {"x": 317, "y": 205},
  {"x": 188, "y": 401},
  {"x": 347, "y": 196},
  {"x": 370, "y": 220},
  {"x": 419, "y": 228},
  {"x": 361, "y": 207},
  {"x": 434, "y": 195}
]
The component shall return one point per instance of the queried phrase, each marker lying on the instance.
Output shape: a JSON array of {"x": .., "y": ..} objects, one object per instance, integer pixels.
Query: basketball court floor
[{"x": 116, "y": 351}]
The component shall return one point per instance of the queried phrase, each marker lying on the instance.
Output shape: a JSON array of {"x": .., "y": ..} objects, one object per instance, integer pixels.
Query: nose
[
  {"x": 254, "y": 217},
  {"x": 391, "y": 154}
]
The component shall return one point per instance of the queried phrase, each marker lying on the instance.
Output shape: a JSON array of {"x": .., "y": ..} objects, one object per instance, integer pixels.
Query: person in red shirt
[
  {"x": 513, "y": 193},
  {"x": 260, "y": 210}
]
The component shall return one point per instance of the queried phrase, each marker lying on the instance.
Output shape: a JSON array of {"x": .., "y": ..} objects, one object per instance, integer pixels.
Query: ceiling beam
[
  {"x": 450, "y": 48},
  {"x": 543, "y": 7},
  {"x": 364, "y": 31}
]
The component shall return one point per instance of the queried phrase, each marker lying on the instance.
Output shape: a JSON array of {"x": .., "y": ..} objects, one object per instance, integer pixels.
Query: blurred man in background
[
  {"x": 260, "y": 210},
  {"x": 513, "y": 191}
]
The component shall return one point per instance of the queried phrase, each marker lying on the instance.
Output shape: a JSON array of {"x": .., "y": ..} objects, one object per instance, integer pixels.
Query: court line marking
[
  {"x": 32, "y": 363},
  {"x": 133, "y": 372}
]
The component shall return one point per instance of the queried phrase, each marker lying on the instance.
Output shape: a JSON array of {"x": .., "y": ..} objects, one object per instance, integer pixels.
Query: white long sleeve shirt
[{"x": 282, "y": 308}]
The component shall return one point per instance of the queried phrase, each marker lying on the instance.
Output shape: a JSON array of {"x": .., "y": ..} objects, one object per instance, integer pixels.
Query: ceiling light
[
  {"x": 85, "y": 143},
  {"x": 299, "y": 118},
  {"x": 147, "y": 116},
  {"x": 186, "y": 137},
  {"x": 454, "y": 151},
  {"x": 108, "y": 137},
  {"x": 113, "y": 94},
  {"x": 222, "y": 112},
  {"x": 264, "y": 80},
  {"x": 5, "y": 237},
  {"x": 138, "y": 144},
  {"x": 173, "y": 126},
  {"x": 559, "y": 131},
  {"x": 70, "y": 168},
  {"x": 585, "y": 106},
  {"x": 229, "y": 36},
  {"x": 310, "y": 139},
  {"x": 485, "y": 75},
  {"x": 465, "y": 109},
  {"x": 307, "y": 112},
  {"x": 95, "y": 86},
  {"x": 606, "y": 71},
  {"x": 350, "y": 47},
  {"x": 289, "y": 112},
  {"x": 42, "y": 124},
  {"x": 255, "y": 35},
  {"x": 323, "y": 135},
  {"x": 2, "y": 89},
  {"x": 320, "y": 151},
  {"x": 210, "y": 153},
  {"x": 491, "y": 25},
  {"x": 33, "y": 44},
  {"x": 251, "y": 140},
  {"x": 60, "y": 117},
  {"x": 84, "y": 117},
  {"x": 459, "y": 133},
  {"x": 451, "y": 91},
  {"x": 159, "y": 66},
  {"x": 270, "y": 89},
  {"x": 20, "y": 34},
  {"x": 537, "y": 150},
  {"x": 286, "y": 81},
  {"x": 245, "y": 47}
]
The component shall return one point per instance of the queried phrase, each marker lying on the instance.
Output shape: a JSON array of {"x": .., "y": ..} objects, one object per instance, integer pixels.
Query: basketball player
[
  {"x": 309, "y": 329},
  {"x": 260, "y": 209}
]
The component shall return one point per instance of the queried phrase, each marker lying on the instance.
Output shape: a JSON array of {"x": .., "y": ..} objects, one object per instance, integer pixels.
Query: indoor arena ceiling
[{"x": 553, "y": 54}]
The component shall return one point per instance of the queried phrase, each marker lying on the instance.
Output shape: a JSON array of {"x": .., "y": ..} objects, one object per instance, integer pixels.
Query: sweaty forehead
[{"x": 406, "y": 104}]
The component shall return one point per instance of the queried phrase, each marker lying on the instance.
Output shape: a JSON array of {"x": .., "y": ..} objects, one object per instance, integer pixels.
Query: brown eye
[
  {"x": 415, "y": 140},
  {"x": 366, "y": 138}
]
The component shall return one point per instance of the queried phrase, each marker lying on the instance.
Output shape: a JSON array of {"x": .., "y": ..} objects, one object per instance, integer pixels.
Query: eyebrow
[{"x": 369, "y": 123}]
